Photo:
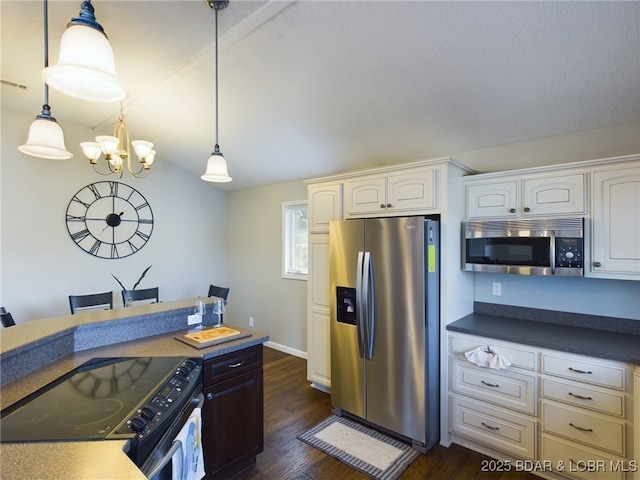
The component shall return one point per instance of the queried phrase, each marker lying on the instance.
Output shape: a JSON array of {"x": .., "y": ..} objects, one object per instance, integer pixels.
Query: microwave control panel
[{"x": 569, "y": 252}]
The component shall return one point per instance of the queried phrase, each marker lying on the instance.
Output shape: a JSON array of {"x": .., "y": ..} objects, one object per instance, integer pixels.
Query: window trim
[{"x": 286, "y": 206}]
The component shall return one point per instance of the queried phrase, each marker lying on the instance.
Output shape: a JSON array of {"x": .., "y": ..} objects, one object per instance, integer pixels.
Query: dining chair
[
  {"x": 220, "y": 292},
  {"x": 6, "y": 318},
  {"x": 143, "y": 294},
  {"x": 91, "y": 301}
]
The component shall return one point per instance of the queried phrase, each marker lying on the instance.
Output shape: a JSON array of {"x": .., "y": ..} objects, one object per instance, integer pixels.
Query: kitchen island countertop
[{"x": 568, "y": 336}]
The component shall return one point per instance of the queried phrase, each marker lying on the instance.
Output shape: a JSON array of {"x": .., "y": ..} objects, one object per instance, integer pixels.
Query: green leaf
[
  {"x": 123, "y": 287},
  {"x": 141, "y": 277}
]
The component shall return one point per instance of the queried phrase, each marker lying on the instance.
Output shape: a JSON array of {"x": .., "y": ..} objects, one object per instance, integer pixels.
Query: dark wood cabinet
[{"x": 232, "y": 416}]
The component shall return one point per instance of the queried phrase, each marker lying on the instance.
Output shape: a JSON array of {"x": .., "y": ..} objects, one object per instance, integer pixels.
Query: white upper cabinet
[
  {"x": 393, "y": 193},
  {"x": 525, "y": 196},
  {"x": 615, "y": 236},
  {"x": 325, "y": 204}
]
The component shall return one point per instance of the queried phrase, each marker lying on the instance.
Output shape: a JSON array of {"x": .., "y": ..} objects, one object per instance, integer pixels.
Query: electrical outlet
[
  {"x": 194, "y": 319},
  {"x": 251, "y": 321},
  {"x": 497, "y": 289}
]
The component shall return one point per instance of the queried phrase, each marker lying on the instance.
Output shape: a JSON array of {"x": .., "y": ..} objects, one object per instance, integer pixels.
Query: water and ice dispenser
[{"x": 346, "y": 305}]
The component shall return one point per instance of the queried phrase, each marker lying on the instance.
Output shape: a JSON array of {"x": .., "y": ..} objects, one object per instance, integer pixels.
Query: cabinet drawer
[
  {"x": 611, "y": 403},
  {"x": 519, "y": 357},
  {"x": 495, "y": 427},
  {"x": 579, "y": 462},
  {"x": 232, "y": 364},
  {"x": 583, "y": 427},
  {"x": 508, "y": 389},
  {"x": 585, "y": 370}
]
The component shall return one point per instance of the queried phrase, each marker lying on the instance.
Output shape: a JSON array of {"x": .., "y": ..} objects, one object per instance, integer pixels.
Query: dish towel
[
  {"x": 188, "y": 462},
  {"x": 487, "y": 357}
]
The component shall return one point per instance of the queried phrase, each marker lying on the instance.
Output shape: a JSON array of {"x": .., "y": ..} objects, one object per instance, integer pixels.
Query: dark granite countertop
[{"x": 595, "y": 336}]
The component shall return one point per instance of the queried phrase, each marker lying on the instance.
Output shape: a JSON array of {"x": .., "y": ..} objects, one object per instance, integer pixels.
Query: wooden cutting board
[{"x": 211, "y": 336}]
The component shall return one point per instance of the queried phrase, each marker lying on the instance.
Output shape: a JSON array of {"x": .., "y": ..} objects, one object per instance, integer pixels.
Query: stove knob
[
  {"x": 190, "y": 364},
  {"x": 147, "y": 413},
  {"x": 138, "y": 424},
  {"x": 183, "y": 371}
]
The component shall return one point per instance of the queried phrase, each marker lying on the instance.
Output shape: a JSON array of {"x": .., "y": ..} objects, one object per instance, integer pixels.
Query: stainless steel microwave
[{"x": 525, "y": 247}]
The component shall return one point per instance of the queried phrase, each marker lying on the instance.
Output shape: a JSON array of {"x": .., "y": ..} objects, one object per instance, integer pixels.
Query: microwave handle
[{"x": 552, "y": 251}]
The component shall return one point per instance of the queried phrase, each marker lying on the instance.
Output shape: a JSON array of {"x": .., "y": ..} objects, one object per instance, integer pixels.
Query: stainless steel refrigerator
[{"x": 384, "y": 280}]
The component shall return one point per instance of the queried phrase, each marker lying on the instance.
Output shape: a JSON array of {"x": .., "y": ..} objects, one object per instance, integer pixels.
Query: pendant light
[
  {"x": 85, "y": 68},
  {"x": 46, "y": 139},
  {"x": 216, "y": 165}
]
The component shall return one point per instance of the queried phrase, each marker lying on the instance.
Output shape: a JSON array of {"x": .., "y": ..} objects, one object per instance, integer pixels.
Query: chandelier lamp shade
[
  {"x": 85, "y": 68},
  {"x": 216, "y": 165},
  {"x": 46, "y": 139},
  {"x": 117, "y": 152}
]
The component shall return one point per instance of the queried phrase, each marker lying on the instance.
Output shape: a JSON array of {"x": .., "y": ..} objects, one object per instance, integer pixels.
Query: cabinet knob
[
  {"x": 512, "y": 210},
  {"x": 389, "y": 205},
  {"x": 597, "y": 264},
  {"x": 209, "y": 396},
  {"x": 382, "y": 205},
  {"x": 527, "y": 209}
]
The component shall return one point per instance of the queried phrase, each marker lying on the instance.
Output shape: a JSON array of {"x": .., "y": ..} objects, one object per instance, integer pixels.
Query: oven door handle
[{"x": 175, "y": 446}]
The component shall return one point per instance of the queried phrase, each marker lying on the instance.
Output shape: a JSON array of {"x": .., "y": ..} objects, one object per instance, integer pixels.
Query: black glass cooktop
[{"x": 89, "y": 402}]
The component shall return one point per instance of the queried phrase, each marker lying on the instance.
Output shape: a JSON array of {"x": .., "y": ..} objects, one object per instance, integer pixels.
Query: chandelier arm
[{"x": 110, "y": 172}]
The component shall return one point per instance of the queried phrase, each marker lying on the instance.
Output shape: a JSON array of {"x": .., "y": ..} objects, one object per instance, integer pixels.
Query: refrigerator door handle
[
  {"x": 368, "y": 302},
  {"x": 360, "y": 317}
]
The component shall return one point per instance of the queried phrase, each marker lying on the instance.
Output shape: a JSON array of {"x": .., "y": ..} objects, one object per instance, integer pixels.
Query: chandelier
[
  {"x": 216, "y": 165},
  {"x": 117, "y": 152}
]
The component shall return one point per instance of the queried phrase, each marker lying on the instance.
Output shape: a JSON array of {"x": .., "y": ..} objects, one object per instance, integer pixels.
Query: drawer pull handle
[
  {"x": 236, "y": 365},
  {"x": 494, "y": 385},
  {"x": 581, "y": 428},
  {"x": 580, "y": 396},
  {"x": 580, "y": 371},
  {"x": 490, "y": 427}
]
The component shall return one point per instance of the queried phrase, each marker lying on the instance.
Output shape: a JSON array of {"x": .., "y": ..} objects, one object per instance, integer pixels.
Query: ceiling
[{"x": 311, "y": 88}]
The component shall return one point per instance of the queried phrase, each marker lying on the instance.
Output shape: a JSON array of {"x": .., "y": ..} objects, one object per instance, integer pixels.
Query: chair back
[
  {"x": 220, "y": 292},
  {"x": 143, "y": 294},
  {"x": 6, "y": 318},
  {"x": 93, "y": 300}
]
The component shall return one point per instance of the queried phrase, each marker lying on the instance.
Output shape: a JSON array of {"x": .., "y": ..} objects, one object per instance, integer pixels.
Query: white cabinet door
[
  {"x": 365, "y": 195},
  {"x": 554, "y": 195},
  {"x": 527, "y": 196},
  {"x": 411, "y": 190},
  {"x": 318, "y": 316},
  {"x": 325, "y": 204},
  {"x": 492, "y": 200},
  {"x": 615, "y": 237}
]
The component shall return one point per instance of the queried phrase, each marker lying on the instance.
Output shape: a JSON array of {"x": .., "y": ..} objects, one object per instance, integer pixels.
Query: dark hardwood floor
[{"x": 292, "y": 406}]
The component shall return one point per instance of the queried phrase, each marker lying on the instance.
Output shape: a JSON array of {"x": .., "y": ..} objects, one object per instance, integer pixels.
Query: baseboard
[{"x": 285, "y": 349}]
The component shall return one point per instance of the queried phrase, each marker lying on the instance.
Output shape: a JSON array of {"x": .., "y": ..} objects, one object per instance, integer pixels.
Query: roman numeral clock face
[{"x": 109, "y": 219}]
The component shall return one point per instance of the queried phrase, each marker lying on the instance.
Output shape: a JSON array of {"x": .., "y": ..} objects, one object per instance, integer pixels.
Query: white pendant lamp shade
[
  {"x": 216, "y": 169},
  {"x": 85, "y": 67},
  {"x": 45, "y": 140}
]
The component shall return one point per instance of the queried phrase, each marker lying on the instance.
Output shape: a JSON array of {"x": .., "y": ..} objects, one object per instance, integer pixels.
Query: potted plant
[{"x": 127, "y": 302}]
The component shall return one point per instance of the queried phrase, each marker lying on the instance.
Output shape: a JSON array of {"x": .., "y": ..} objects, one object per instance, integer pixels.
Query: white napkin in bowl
[{"x": 487, "y": 357}]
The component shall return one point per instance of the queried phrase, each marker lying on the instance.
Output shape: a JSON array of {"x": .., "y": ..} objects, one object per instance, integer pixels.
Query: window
[{"x": 294, "y": 240}]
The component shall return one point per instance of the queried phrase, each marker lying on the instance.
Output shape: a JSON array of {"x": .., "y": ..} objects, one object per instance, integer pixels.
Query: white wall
[
  {"x": 39, "y": 263},
  {"x": 610, "y": 298},
  {"x": 254, "y": 262}
]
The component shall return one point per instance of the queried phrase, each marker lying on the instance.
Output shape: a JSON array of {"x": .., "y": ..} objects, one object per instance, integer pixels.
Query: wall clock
[{"x": 109, "y": 219}]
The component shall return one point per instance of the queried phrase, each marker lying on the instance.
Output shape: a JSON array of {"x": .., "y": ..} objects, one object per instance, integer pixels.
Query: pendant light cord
[
  {"x": 46, "y": 49},
  {"x": 216, "y": 28}
]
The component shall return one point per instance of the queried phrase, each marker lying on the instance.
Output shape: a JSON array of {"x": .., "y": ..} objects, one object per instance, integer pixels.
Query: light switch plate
[{"x": 194, "y": 319}]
